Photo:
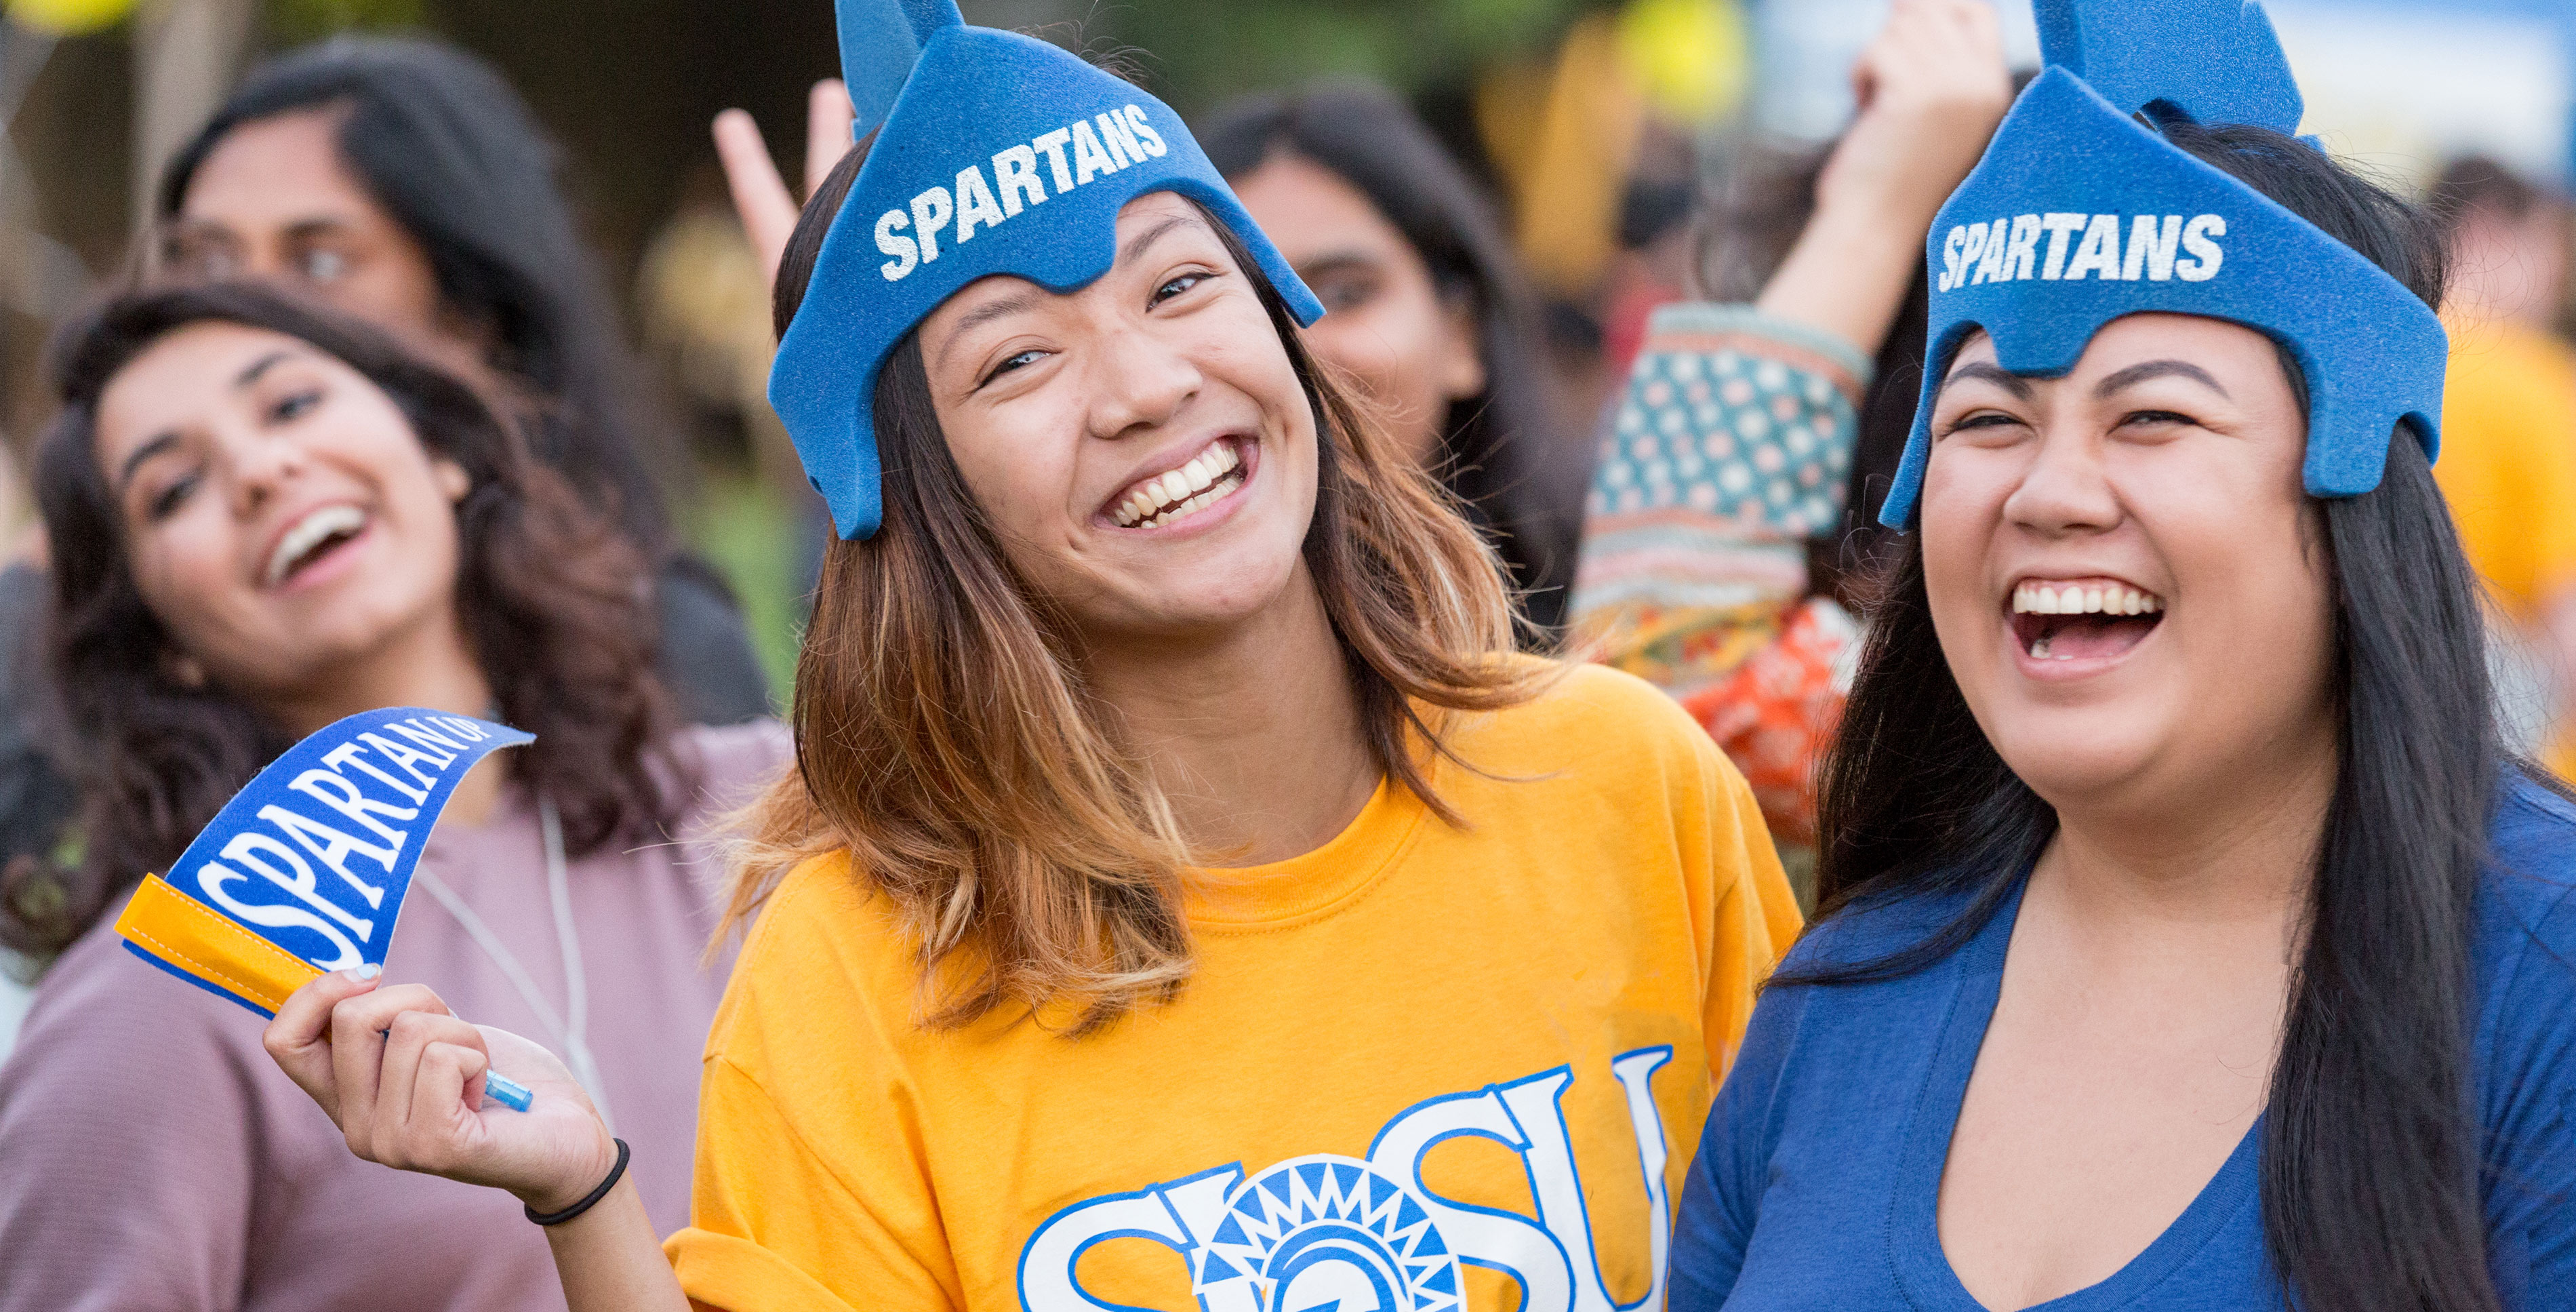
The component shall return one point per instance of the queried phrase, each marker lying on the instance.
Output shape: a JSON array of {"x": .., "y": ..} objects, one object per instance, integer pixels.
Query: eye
[
  {"x": 1180, "y": 284},
  {"x": 2156, "y": 419},
  {"x": 1015, "y": 360},
  {"x": 1976, "y": 419},
  {"x": 1347, "y": 291},
  {"x": 294, "y": 406},
  {"x": 167, "y": 501},
  {"x": 323, "y": 266}
]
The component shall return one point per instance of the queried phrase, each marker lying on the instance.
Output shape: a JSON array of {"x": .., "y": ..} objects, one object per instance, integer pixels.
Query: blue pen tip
[{"x": 507, "y": 1092}]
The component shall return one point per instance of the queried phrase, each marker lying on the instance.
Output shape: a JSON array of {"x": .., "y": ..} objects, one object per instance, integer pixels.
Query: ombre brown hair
[{"x": 947, "y": 739}]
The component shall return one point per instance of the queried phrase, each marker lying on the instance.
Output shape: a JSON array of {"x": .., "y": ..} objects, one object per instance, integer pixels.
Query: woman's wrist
[
  {"x": 1846, "y": 275},
  {"x": 581, "y": 1176}
]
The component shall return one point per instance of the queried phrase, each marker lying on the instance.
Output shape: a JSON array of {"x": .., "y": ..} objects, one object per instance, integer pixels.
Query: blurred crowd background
[{"x": 1600, "y": 127}]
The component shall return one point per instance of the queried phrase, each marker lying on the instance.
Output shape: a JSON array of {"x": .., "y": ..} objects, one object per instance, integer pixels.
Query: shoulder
[
  {"x": 2530, "y": 889},
  {"x": 108, "y": 1034},
  {"x": 1874, "y": 928},
  {"x": 719, "y": 768},
  {"x": 822, "y": 933},
  {"x": 1591, "y": 709}
]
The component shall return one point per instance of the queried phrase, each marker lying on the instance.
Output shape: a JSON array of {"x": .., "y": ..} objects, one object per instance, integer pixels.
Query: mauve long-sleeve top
[{"x": 152, "y": 1157}]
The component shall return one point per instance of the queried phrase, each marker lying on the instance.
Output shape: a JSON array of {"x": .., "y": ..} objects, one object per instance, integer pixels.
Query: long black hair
[
  {"x": 452, "y": 153},
  {"x": 2371, "y": 1161},
  {"x": 549, "y": 594},
  {"x": 1500, "y": 451}
]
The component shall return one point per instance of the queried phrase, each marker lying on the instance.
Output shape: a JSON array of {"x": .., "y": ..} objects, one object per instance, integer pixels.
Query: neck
[
  {"x": 1254, "y": 733},
  {"x": 432, "y": 667},
  {"x": 2210, "y": 872}
]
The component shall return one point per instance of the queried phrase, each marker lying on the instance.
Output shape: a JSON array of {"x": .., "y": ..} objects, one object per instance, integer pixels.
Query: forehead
[
  {"x": 186, "y": 374},
  {"x": 277, "y": 170},
  {"x": 1306, "y": 207}
]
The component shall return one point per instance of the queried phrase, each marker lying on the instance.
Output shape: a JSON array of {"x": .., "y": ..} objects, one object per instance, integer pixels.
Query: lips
[
  {"x": 2082, "y": 619},
  {"x": 1162, "y": 499}
]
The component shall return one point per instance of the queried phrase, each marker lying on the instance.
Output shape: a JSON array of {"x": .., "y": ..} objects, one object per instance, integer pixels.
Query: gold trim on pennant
[{"x": 197, "y": 939}]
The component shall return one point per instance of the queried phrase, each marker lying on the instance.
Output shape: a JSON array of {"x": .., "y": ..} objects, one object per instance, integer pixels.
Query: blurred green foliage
[
  {"x": 293, "y": 22},
  {"x": 1202, "y": 52}
]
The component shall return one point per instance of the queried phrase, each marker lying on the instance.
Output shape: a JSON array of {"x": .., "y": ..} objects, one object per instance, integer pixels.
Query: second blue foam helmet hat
[
  {"x": 2082, "y": 212},
  {"x": 995, "y": 153}
]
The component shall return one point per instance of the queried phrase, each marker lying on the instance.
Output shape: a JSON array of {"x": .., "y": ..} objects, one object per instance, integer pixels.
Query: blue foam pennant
[
  {"x": 995, "y": 153},
  {"x": 2081, "y": 213},
  {"x": 306, "y": 868}
]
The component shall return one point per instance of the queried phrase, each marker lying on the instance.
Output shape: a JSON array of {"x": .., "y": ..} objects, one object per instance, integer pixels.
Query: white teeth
[
  {"x": 2039, "y": 649},
  {"x": 311, "y": 532},
  {"x": 1199, "y": 483},
  {"x": 2041, "y": 599}
]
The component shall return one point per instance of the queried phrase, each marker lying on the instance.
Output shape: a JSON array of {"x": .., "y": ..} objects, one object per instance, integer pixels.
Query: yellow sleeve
[
  {"x": 1747, "y": 915},
  {"x": 811, "y": 1189},
  {"x": 772, "y": 1225},
  {"x": 2508, "y": 465}
]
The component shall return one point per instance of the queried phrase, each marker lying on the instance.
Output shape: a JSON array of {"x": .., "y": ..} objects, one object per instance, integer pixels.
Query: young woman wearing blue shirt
[{"x": 2188, "y": 939}]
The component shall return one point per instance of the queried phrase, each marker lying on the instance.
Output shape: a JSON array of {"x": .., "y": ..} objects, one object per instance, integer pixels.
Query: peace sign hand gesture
[{"x": 760, "y": 196}]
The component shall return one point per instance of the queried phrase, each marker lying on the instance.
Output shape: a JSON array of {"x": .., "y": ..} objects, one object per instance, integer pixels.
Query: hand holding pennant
[{"x": 304, "y": 871}]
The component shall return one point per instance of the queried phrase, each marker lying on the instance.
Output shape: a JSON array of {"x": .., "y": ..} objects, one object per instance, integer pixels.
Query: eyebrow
[
  {"x": 984, "y": 314},
  {"x": 162, "y": 442},
  {"x": 141, "y": 454},
  {"x": 1336, "y": 262},
  {"x": 258, "y": 367},
  {"x": 1996, "y": 374},
  {"x": 1018, "y": 301},
  {"x": 1154, "y": 234},
  {"x": 2139, "y": 373}
]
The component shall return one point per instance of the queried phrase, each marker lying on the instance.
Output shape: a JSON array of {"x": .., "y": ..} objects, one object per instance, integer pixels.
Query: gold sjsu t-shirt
[{"x": 1422, "y": 1067}]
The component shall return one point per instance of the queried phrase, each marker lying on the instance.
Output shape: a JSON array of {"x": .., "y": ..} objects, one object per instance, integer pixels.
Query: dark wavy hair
[
  {"x": 551, "y": 597},
  {"x": 1500, "y": 451},
  {"x": 2371, "y": 1161},
  {"x": 452, "y": 153}
]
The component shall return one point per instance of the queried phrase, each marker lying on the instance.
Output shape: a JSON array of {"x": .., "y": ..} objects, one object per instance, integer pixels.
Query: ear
[
  {"x": 452, "y": 478},
  {"x": 1461, "y": 366}
]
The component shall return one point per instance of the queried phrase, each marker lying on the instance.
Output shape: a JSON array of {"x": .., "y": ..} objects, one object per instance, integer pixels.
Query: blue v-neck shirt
[{"x": 1819, "y": 1176}]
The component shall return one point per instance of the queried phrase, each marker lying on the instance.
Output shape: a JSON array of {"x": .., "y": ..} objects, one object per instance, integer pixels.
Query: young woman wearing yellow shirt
[{"x": 1183, "y": 894}]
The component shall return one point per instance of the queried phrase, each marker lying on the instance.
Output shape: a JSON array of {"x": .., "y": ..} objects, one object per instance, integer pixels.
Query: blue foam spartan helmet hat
[
  {"x": 2080, "y": 213},
  {"x": 995, "y": 154}
]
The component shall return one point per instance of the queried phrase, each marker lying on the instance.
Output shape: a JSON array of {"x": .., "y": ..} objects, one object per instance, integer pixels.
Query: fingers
[
  {"x": 827, "y": 131},
  {"x": 415, "y": 1115},
  {"x": 760, "y": 196},
  {"x": 299, "y": 1038},
  {"x": 358, "y": 1028}
]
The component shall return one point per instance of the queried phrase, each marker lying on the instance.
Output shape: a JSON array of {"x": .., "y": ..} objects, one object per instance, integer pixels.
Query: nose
[
  {"x": 256, "y": 468},
  {"x": 2066, "y": 489},
  {"x": 1139, "y": 382}
]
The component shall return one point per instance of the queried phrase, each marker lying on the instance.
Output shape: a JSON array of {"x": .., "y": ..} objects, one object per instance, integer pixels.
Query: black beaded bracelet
[{"x": 558, "y": 1218}]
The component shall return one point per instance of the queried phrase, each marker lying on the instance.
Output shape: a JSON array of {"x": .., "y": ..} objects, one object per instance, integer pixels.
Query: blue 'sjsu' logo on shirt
[{"x": 1360, "y": 1234}]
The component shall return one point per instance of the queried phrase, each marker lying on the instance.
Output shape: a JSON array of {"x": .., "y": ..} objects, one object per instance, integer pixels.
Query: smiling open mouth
[
  {"x": 314, "y": 537},
  {"x": 2084, "y": 619},
  {"x": 1160, "y": 500}
]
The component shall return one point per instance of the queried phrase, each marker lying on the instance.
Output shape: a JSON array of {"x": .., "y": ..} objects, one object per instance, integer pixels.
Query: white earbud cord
[{"x": 570, "y": 1027}]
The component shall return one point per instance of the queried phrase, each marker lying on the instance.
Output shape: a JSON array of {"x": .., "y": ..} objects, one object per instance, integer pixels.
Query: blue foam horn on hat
[
  {"x": 2080, "y": 213},
  {"x": 995, "y": 153}
]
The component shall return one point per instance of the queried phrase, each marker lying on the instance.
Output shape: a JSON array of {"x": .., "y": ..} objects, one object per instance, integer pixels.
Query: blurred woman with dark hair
[
  {"x": 1426, "y": 310},
  {"x": 404, "y": 182},
  {"x": 265, "y": 519}
]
